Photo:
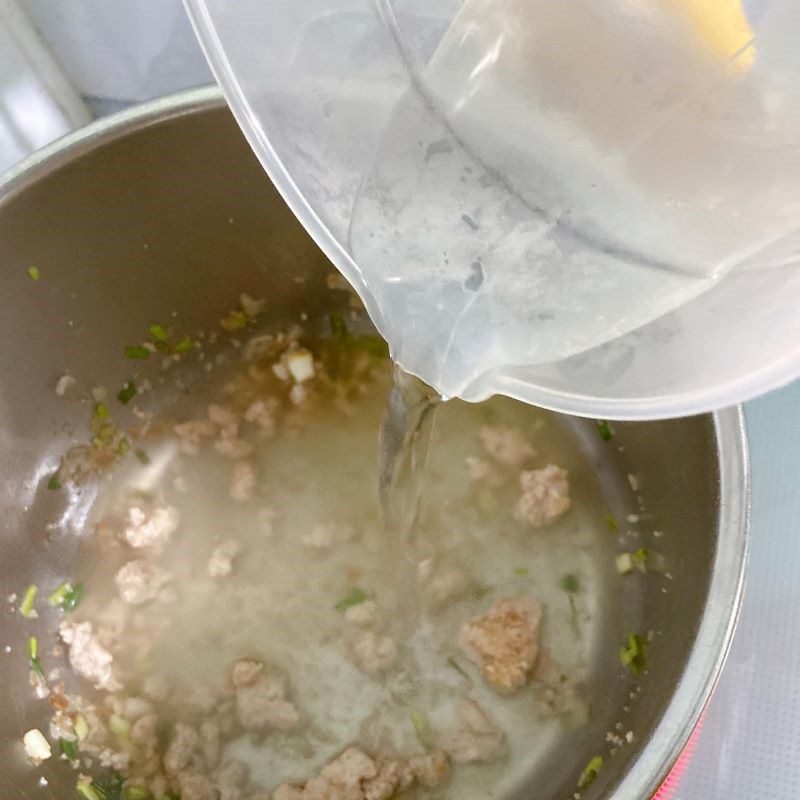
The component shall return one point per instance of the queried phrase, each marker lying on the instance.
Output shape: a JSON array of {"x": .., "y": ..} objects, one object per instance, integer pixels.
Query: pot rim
[
  {"x": 726, "y": 585},
  {"x": 720, "y": 617}
]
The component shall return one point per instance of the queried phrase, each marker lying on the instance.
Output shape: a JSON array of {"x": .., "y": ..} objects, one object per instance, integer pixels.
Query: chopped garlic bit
[
  {"x": 326, "y": 535},
  {"x": 364, "y": 614},
  {"x": 220, "y": 564},
  {"x": 81, "y": 727},
  {"x": 298, "y": 394},
  {"x": 624, "y": 563},
  {"x": 37, "y": 748},
  {"x": 300, "y": 364},
  {"x": 335, "y": 280},
  {"x": 280, "y": 370},
  {"x": 258, "y": 347},
  {"x": 64, "y": 383},
  {"x": 251, "y": 307},
  {"x": 243, "y": 481}
]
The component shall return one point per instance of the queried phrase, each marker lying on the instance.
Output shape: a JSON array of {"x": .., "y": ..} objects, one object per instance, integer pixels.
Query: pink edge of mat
[{"x": 672, "y": 781}]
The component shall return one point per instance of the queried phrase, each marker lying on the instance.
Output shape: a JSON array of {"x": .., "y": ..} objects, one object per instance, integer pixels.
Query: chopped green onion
[
  {"x": 158, "y": 332},
  {"x": 339, "y": 328},
  {"x": 458, "y": 668},
  {"x": 105, "y": 435},
  {"x": 184, "y": 345},
  {"x": 521, "y": 571},
  {"x": 127, "y": 393},
  {"x": 480, "y": 591},
  {"x": 119, "y": 726},
  {"x": 573, "y": 609},
  {"x": 57, "y": 597},
  {"x": 100, "y": 411},
  {"x": 632, "y": 654},
  {"x": 26, "y": 608},
  {"x": 421, "y": 727},
  {"x": 356, "y": 597},
  {"x": 67, "y": 597},
  {"x": 89, "y": 790},
  {"x": 33, "y": 647},
  {"x": 123, "y": 446},
  {"x": 135, "y": 793},
  {"x": 142, "y": 456},
  {"x": 34, "y": 273},
  {"x": 73, "y": 598},
  {"x": 36, "y": 665},
  {"x": 54, "y": 482},
  {"x": 570, "y": 584},
  {"x": 69, "y": 748},
  {"x": 641, "y": 555},
  {"x": 109, "y": 790},
  {"x": 136, "y": 351},
  {"x": 234, "y": 321},
  {"x": 376, "y": 346},
  {"x": 590, "y": 772},
  {"x": 604, "y": 429},
  {"x": 611, "y": 523},
  {"x": 81, "y": 727},
  {"x": 113, "y": 789}
]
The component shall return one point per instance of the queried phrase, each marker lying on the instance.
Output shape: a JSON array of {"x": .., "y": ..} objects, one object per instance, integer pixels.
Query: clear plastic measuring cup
[{"x": 591, "y": 206}]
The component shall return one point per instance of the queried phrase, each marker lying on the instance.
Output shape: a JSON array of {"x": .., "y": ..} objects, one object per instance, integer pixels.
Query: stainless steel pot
[{"x": 165, "y": 207}]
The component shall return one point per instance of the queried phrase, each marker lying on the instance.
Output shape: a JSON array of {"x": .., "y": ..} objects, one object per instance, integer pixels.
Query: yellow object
[{"x": 722, "y": 28}]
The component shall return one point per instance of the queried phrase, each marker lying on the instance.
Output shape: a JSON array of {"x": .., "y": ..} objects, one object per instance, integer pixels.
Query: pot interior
[{"x": 173, "y": 213}]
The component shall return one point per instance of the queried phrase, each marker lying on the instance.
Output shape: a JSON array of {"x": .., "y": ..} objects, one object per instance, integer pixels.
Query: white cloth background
[{"x": 122, "y": 50}]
